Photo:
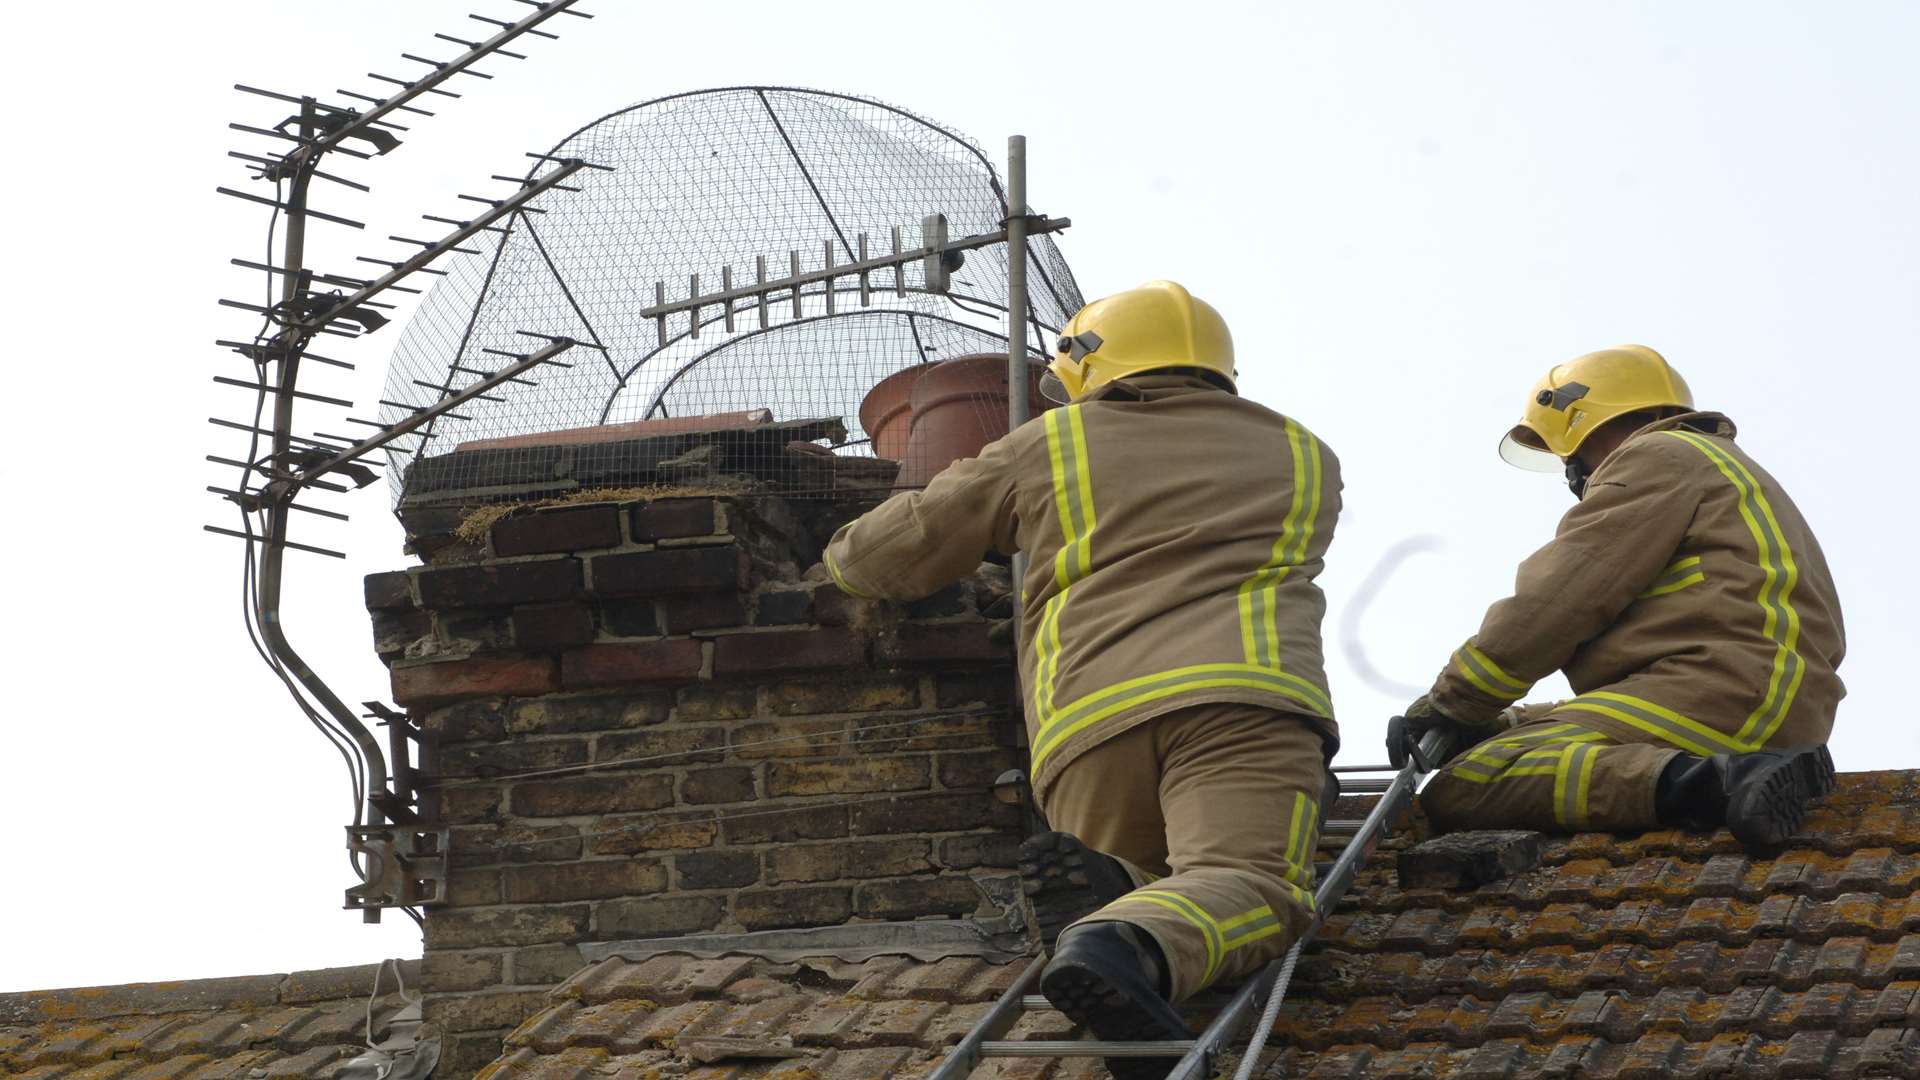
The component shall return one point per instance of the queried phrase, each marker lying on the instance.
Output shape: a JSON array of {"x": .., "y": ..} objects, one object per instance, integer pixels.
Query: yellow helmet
[
  {"x": 1583, "y": 393},
  {"x": 1158, "y": 325}
]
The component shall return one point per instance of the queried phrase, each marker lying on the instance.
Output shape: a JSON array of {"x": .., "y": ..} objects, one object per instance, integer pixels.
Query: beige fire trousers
[
  {"x": 1216, "y": 809},
  {"x": 1553, "y": 774}
]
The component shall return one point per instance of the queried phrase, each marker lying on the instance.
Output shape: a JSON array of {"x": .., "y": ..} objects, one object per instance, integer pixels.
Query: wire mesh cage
[{"x": 708, "y": 190}]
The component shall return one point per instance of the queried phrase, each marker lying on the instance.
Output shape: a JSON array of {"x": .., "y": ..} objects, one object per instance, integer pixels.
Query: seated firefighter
[
  {"x": 1690, "y": 607},
  {"x": 1177, "y": 711}
]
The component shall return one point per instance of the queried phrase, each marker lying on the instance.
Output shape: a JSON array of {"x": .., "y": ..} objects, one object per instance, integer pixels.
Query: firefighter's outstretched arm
[
  {"x": 918, "y": 541},
  {"x": 1607, "y": 550}
]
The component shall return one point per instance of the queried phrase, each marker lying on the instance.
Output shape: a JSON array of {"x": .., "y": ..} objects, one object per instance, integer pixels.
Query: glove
[
  {"x": 817, "y": 572},
  {"x": 1405, "y": 731}
]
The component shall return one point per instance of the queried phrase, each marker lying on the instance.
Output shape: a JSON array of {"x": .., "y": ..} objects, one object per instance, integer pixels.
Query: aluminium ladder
[{"x": 1197, "y": 1056}]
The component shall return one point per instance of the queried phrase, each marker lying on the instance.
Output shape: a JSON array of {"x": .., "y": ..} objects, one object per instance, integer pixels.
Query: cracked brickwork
[{"x": 648, "y": 725}]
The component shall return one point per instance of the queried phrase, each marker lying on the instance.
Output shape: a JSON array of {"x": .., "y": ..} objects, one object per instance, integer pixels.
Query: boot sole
[
  {"x": 1084, "y": 996},
  {"x": 1066, "y": 881},
  {"x": 1768, "y": 810}
]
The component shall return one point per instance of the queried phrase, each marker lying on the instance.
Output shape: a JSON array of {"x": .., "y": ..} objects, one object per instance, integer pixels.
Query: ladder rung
[
  {"x": 1084, "y": 1048},
  {"x": 1036, "y": 1003}
]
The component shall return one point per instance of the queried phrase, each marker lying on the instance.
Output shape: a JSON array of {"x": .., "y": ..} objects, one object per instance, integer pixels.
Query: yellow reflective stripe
[
  {"x": 1083, "y": 477},
  {"x": 1488, "y": 677},
  {"x": 1781, "y": 623},
  {"x": 1657, "y": 720},
  {"x": 1258, "y": 599},
  {"x": 1210, "y": 931},
  {"x": 1673, "y": 586},
  {"x": 1073, "y": 498},
  {"x": 1306, "y": 813},
  {"x": 839, "y": 580},
  {"x": 1545, "y": 745},
  {"x": 1251, "y": 926},
  {"x": 1097, "y": 706},
  {"x": 1572, "y": 776},
  {"x": 1678, "y": 565},
  {"x": 1505, "y": 774}
]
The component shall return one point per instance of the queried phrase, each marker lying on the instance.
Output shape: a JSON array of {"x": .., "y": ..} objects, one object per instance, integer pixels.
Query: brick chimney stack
[{"x": 648, "y": 726}]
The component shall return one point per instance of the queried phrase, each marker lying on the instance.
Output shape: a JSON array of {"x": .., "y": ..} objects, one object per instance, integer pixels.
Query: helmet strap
[{"x": 1577, "y": 473}]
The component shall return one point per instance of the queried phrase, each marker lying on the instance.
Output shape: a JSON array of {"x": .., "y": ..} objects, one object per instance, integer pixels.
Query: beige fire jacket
[
  {"x": 1684, "y": 596},
  {"x": 1173, "y": 533}
]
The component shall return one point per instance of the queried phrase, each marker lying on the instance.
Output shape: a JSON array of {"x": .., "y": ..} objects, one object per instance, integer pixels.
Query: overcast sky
[{"x": 1406, "y": 212}]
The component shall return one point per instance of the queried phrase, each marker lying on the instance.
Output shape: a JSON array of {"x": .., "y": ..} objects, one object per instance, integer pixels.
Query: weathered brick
[
  {"x": 891, "y": 733},
  {"x": 473, "y": 888},
  {"x": 482, "y": 802},
  {"x": 630, "y": 618},
  {"x": 933, "y": 813},
  {"x": 669, "y": 660},
  {"x": 522, "y": 755},
  {"x": 780, "y": 909},
  {"x": 547, "y": 883},
  {"x": 944, "y": 643},
  {"x": 449, "y": 972},
  {"x": 697, "y": 703},
  {"x": 571, "y": 713},
  {"x": 912, "y": 898},
  {"x": 652, "y": 832},
  {"x": 831, "y": 607},
  {"x": 559, "y": 529},
  {"x": 702, "y": 611},
  {"x": 778, "y": 651},
  {"x": 719, "y": 568},
  {"x": 783, "y": 607},
  {"x": 716, "y": 869},
  {"x": 998, "y": 850},
  {"x": 667, "y": 744},
  {"x": 951, "y": 600},
  {"x": 394, "y": 632},
  {"x": 469, "y": 632},
  {"x": 481, "y": 1012},
  {"x": 466, "y": 721},
  {"x": 656, "y": 916},
  {"x": 789, "y": 739},
  {"x": 847, "y": 776},
  {"x": 672, "y": 519},
  {"x": 954, "y": 689},
  {"x": 552, "y": 627},
  {"x": 728, "y": 784},
  {"x": 847, "y": 859},
  {"x": 466, "y": 1053},
  {"x": 544, "y": 964},
  {"x": 432, "y": 683},
  {"x": 804, "y": 697},
  {"x": 515, "y": 842},
  {"x": 784, "y": 824},
  {"x": 975, "y": 769},
  {"x": 590, "y": 794},
  {"x": 468, "y": 928},
  {"x": 389, "y": 591},
  {"x": 499, "y": 584}
]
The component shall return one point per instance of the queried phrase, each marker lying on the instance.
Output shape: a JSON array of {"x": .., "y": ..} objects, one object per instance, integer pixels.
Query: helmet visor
[
  {"x": 1053, "y": 389},
  {"x": 1523, "y": 448}
]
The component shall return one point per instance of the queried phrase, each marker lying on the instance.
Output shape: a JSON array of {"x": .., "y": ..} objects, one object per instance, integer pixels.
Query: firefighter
[
  {"x": 1690, "y": 607},
  {"x": 1177, "y": 710}
]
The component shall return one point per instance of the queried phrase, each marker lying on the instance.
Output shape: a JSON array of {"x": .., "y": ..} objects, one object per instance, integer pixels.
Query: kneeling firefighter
[
  {"x": 1177, "y": 710},
  {"x": 1690, "y": 607}
]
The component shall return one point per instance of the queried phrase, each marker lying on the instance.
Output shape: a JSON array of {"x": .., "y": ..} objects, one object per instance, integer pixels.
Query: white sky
[{"x": 1405, "y": 211}]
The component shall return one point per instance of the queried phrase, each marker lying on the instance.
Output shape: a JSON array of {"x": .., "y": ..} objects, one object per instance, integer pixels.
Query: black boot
[
  {"x": 1761, "y": 797},
  {"x": 1066, "y": 881},
  {"x": 1111, "y": 979}
]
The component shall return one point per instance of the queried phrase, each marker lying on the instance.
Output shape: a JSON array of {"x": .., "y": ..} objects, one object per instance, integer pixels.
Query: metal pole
[
  {"x": 273, "y": 548},
  {"x": 1017, "y": 407},
  {"x": 1017, "y": 410}
]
